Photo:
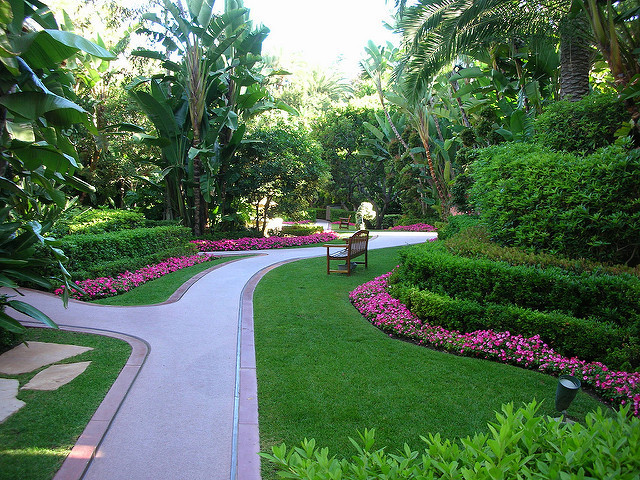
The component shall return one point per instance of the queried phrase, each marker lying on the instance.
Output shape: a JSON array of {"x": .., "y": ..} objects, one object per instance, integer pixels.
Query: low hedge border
[
  {"x": 599, "y": 297},
  {"x": 573, "y": 337},
  {"x": 85, "y": 252},
  {"x": 301, "y": 230}
]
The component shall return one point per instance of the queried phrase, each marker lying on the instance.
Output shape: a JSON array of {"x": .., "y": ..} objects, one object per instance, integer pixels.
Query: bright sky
[{"x": 323, "y": 31}]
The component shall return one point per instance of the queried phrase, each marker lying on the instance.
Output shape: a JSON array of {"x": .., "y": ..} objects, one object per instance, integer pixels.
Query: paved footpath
[{"x": 179, "y": 419}]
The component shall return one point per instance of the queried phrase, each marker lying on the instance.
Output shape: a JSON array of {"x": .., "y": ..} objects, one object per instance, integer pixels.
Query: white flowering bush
[{"x": 365, "y": 212}]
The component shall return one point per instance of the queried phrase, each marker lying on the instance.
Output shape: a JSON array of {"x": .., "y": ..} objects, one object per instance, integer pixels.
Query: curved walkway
[{"x": 191, "y": 412}]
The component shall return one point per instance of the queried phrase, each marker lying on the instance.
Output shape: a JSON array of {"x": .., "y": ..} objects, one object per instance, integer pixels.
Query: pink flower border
[
  {"x": 104, "y": 287},
  {"x": 248, "y": 243},
  {"x": 387, "y": 313},
  {"x": 416, "y": 227}
]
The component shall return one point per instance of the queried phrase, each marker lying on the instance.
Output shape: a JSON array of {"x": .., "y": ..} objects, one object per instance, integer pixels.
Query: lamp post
[{"x": 566, "y": 391}]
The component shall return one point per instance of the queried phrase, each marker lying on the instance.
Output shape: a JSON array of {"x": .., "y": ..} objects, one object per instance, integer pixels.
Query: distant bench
[
  {"x": 356, "y": 246},
  {"x": 344, "y": 222}
]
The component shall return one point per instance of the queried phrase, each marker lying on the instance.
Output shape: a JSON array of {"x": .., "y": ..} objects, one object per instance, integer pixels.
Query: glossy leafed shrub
[{"x": 520, "y": 444}]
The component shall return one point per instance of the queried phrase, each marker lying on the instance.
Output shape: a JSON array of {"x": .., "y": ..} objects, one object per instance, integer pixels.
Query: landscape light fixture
[{"x": 568, "y": 387}]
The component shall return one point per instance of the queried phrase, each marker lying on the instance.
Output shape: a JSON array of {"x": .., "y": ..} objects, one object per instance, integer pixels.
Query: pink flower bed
[
  {"x": 391, "y": 316},
  {"x": 416, "y": 227},
  {"x": 262, "y": 243},
  {"x": 109, "y": 286}
]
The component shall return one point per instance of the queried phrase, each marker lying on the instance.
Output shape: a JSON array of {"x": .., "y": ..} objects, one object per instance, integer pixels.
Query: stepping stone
[
  {"x": 23, "y": 359},
  {"x": 9, "y": 404},
  {"x": 56, "y": 376}
]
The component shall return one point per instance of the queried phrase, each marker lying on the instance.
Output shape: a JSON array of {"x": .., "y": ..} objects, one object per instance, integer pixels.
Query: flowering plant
[
  {"x": 387, "y": 313},
  {"x": 416, "y": 227},
  {"x": 109, "y": 286},
  {"x": 365, "y": 212},
  {"x": 262, "y": 243}
]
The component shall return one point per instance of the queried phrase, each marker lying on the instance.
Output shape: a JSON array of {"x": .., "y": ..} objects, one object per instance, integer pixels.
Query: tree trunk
[{"x": 575, "y": 58}]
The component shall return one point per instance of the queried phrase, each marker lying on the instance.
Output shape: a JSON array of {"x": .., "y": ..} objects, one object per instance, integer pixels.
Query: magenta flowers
[
  {"x": 262, "y": 243},
  {"x": 416, "y": 227},
  {"x": 391, "y": 316},
  {"x": 109, "y": 286}
]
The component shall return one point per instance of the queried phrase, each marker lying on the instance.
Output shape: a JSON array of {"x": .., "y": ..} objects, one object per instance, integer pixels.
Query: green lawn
[
  {"x": 159, "y": 290},
  {"x": 324, "y": 372},
  {"x": 35, "y": 440}
]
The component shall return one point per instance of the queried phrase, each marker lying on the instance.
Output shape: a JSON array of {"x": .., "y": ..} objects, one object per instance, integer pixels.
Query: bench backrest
[{"x": 359, "y": 241}]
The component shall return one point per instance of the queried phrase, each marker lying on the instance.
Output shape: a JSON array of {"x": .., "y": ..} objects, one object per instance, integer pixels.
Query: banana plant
[{"x": 37, "y": 159}]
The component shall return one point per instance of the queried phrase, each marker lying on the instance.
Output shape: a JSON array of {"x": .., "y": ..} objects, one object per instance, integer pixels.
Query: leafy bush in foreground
[
  {"x": 579, "y": 207},
  {"x": 520, "y": 444}
]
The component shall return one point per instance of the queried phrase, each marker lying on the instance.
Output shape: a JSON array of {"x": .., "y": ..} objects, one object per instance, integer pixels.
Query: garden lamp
[{"x": 568, "y": 387}]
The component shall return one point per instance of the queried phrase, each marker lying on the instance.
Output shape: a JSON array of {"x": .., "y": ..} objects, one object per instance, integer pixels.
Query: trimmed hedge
[
  {"x": 86, "y": 252},
  {"x": 609, "y": 298},
  {"x": 582, "y": 126},
  {"x": 217, "y": 236},
  {"x": 338, "y": 213},
  {"x": 560, "y": 203},
  {"x": 569, "y": 336},
  {"x": 301, "y": 230},
  {"x": 456, "y": 224},
  {"x": 93, "y": 222}
]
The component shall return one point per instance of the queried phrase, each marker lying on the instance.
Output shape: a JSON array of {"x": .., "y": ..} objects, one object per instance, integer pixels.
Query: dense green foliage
[
  {"x": 98, "y": 221},
  {"x": 478, "y": 293},
  {"x": 520, "y": 444},
  {"x": 338, "y": 213},
  {"x": 108, "y": 253},
  {"x": 582, "y": 126},
  {"x": 456, "y": 224},
  {"x": 301, "y": 230},
  {"x": 532, "y": 197}
]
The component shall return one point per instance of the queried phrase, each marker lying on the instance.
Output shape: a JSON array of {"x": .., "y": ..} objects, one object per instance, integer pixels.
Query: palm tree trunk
[{"x": 575, "y": 58}]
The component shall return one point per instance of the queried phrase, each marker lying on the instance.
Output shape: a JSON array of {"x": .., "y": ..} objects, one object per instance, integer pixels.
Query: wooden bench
[
  {"x": 356, "y": 246},
  {"x": 344, "y": 222}
]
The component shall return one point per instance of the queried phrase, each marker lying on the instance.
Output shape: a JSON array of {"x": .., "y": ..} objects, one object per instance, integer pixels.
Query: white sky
[{"x": 322, "y": 31}]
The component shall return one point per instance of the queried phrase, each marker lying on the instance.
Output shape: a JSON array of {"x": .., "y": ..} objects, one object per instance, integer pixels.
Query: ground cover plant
[
  {"x": 160, "y": 289},
  {"x": 262, "y": 243},
  {"x": 325, "y": 372},
  {"x": 393, "y": 317},
  {"x": 416, "y": 227},
  {"x": 589, "y": 314},
  {"x": 519, "y": 444},
  {"x": 102, "y": 287},
  {"x": 35, "y": 440}
]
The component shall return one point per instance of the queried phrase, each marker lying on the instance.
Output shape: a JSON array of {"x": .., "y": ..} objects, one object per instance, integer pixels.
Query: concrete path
[{"x": 179, "y": 419}]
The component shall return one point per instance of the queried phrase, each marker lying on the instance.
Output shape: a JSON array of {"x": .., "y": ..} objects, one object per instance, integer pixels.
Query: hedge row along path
[{"x": 191, "y": 411}]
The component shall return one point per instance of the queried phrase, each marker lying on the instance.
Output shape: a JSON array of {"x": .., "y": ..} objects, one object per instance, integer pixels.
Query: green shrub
[
  {"x": 582, "y": 126},
  {"x": 161, "y": 223},
  {"x": 317, "y": 213},
  {"x": 586, "y": 295},
  {"x": 520, "y": 444},
  {"x": 131, "y": 264},
  {"x": 88, "y": 251},
  {"x": 215, "y": 236},
  {"x": 338, "y": 213},
  {"x": 390, "y": 220},
  {"x": 474, "y": 242},
  {"x": 98, "y": 221},
  {"x": 569, "y": 336},
  {"x": 579, "y": 207},
  {"x": 301, "y": 230},
  {"x": 405, "y": 220},
  {"x": 456, "y": 224}
]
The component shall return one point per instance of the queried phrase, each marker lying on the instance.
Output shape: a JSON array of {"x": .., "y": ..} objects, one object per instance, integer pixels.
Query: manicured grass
[
  {"x": 159, "y": 290},
  {"x": 324, "y": 372},
  {"x": 35, "y": 440}
]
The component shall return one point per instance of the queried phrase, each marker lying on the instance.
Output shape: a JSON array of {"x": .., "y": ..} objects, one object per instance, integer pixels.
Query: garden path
[{"x": 183, "y": 416}]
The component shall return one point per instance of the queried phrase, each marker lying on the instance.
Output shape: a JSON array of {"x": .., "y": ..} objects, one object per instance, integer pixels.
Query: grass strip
[
  {"x": 35, "y": 440},
  {"x": 324, "y": 372},
  {"x": 160, "y": 289}
]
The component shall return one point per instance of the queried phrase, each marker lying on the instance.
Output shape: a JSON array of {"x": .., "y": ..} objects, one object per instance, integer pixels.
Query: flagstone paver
[
  {"x": 56, "y": 376},
  {"x": 185, "y": 416},
  {"x": 27, "y": 358},
  {"x": 9, "y": 404}
]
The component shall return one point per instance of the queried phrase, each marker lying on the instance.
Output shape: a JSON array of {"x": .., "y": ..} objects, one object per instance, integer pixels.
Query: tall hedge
[
  {"x": 99, "y": 221},
  {"x": 582, "y": 126},
  {"x": 581, "y": 207}
]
